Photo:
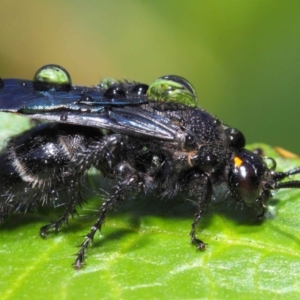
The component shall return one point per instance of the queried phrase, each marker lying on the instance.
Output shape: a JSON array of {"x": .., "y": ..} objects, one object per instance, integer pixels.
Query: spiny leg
[
  {"x": 204, "y": 194},
  {"x": 131, "y": 183},
  {"x": 95, "y": 152},
  {"x": 74, "y": 192}
]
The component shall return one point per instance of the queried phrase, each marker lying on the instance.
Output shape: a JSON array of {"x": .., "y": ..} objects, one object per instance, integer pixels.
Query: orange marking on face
[{"x": 237, "y": 161}]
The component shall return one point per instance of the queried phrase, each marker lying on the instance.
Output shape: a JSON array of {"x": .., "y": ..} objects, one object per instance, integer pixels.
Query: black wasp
[{"x": 152, "y": 139}]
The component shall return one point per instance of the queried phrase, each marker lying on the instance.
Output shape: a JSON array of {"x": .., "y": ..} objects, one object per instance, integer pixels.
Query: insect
[{"x": 152, "y": 139}]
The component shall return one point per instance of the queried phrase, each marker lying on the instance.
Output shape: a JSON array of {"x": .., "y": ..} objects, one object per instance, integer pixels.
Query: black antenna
[{"x": 293, "y": 184}]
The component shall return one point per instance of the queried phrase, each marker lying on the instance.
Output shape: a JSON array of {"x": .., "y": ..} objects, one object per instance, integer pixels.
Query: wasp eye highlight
[{"x": 172, "y": 88}]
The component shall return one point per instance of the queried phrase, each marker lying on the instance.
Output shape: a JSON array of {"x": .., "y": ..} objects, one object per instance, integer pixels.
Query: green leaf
[{"x": 144, "y": 251}]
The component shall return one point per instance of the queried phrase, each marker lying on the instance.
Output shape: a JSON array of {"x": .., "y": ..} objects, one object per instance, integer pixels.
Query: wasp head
[{"x": 252, "y": 179}]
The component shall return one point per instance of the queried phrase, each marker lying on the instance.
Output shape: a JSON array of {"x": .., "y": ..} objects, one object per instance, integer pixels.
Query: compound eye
[
  {"x": 236, "y": 138},
  {"x": 52, "y": 78},
  {"x": 247, "y": 171},
  {"x": 172, "y": 88}
]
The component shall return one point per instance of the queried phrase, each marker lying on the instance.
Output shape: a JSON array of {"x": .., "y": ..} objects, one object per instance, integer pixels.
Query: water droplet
[
  {"x": 270, "y": 162},
  {"x": 86, "y": 99},
  {"x": 1, "y": 83},
  {"x": 140, "y": 89},
  {"x": 172, "y": 88},
  {"x": 115, "y": 92},
  {"x": 107, "y": 82},
  {"x": 52, "y": 78}
]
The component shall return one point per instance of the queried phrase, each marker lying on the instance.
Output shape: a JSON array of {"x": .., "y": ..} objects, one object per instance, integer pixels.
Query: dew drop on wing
[
  {"x": 86, "y": 99},
  {"x": 140, "y": 89},
  {"x": 107, "y": 82},
  {"x": 171, "y": 88},
  {"x": 181, "y": 81},
  {"x": 115, "y": 92},
  {"x": 52, "y": 78}
]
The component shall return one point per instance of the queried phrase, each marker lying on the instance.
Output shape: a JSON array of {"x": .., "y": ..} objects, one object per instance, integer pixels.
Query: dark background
[{"x": 242, "y": 56}]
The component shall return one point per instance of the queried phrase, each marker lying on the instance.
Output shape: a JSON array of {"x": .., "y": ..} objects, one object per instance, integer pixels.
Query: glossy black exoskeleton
[{"x": 152, "y": 139}]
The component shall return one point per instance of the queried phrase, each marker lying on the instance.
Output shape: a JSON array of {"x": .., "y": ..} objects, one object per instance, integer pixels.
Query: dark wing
[
  {"x": 88, "y": 107},
  {"x": 21, "y": 97}
]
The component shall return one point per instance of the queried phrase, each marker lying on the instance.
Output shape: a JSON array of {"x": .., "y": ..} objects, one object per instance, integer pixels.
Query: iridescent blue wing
[
  {"x": 20, "y": 96},
  {"x": 88, "y": 107}
]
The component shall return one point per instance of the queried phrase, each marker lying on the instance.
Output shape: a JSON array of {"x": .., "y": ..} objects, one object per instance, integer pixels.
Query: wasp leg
[
  {"x": 75, "y": 199},
  {"x": 97, "y": 152},
  {"x": 204, "y": 194},
  {"x": 132, "y": 182}
]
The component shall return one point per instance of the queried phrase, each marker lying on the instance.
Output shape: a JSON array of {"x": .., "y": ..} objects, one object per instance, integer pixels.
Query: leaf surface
[{"x": 144, "y": 251}]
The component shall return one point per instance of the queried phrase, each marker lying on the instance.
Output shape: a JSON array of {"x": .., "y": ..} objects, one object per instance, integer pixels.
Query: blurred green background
[{"x": 241, "y": 56}]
